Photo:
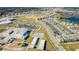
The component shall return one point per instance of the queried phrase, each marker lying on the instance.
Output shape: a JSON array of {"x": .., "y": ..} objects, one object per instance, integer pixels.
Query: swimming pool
[{"x": 72, "y": 19}]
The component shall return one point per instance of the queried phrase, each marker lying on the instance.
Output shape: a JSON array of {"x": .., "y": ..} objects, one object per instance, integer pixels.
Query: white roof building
[
  {"x": 5, "y": 40},
  {"x": 34, "y": 41},
  {"x": 7, "y": 33},
  {"x": 1, "y": 41},
  {"x": 7, "y": 21},
  {"x": 41, "y": 45},
  {"x": 19, "y": 33}
]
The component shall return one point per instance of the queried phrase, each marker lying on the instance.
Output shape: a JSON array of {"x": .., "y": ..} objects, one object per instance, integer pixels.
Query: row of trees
[{"x": 16, "y": 10}]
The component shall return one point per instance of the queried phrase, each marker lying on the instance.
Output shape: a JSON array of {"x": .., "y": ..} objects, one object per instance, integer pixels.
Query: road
[{"x": 57, "y": 45}]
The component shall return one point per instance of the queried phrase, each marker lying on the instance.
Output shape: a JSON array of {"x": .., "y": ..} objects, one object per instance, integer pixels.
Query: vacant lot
[{"x": 71, "y": 47}]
